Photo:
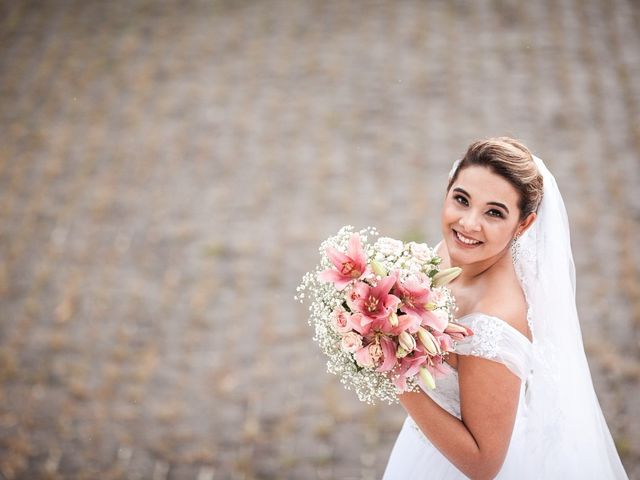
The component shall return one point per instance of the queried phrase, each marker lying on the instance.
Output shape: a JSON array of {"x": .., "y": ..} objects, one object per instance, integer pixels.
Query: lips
[{"x": 464, "y": 240}]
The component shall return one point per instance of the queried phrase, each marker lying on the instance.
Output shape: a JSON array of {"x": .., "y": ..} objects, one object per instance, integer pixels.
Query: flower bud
[
  {"x": 430, "y": 306},
  {"x": 393, "y": 319},
  {"x": 457, "y": 332},
  {"x": 407, "y": 341},
  {"x": 427, "y": 378},
  {"x": 378, "y": 268},
  {"x": 429, "y": 341},
  {"x": 401, "y": 352},
  {"x": 445, "y": 276},
  {"x": 457, "y": 328}
]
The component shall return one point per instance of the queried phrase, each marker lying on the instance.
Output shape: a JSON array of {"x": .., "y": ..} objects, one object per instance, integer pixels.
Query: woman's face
[{"x": 480, "y": 216}]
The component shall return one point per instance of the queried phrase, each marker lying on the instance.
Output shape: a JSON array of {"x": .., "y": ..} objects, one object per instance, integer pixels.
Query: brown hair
[{"x": 511, "y": 160}]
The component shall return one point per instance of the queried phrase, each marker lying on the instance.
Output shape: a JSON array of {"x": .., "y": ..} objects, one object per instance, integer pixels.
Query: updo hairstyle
[{"x": 511, "y": 160}]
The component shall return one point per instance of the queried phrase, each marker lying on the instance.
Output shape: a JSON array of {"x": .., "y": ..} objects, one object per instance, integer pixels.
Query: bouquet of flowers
[{"x": 382, "y": 313}]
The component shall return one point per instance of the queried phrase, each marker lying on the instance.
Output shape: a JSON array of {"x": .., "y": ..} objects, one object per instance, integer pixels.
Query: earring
[{"x": 515, "y": 248}]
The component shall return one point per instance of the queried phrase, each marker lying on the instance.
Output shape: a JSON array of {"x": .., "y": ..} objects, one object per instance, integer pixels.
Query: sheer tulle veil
[{"x": 566, "y": 431}]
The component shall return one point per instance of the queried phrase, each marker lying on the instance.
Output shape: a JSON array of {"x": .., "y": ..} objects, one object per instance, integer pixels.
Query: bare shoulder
[{"x": 506, "y": 301}]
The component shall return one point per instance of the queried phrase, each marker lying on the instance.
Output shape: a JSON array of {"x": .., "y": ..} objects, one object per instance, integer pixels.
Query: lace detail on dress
[
  {"x": 487, "y": 337},
  {"x": 496, "y": 340}
]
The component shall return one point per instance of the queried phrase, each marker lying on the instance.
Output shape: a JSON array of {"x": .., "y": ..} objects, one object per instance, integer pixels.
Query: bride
[{"x": 518, "y": 402}]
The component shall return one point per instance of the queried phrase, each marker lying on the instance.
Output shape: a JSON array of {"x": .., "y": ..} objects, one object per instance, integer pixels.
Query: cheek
[
  {"x": 498, "y": 234},
  {"x": 448, "y": 213},
  {"x": 445, "y": 221}
]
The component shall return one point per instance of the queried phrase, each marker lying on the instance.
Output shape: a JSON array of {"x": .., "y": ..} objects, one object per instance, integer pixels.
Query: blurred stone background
[{"x": 168, "y": 170}]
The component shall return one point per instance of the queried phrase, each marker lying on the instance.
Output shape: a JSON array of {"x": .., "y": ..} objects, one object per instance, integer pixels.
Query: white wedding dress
[
  {"x": 414, "y": 457},
  {"x": 559, "y": 431}
]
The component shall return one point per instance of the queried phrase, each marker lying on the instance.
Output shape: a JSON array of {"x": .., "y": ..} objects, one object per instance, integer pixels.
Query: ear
[{"x": 526, "y": 223}]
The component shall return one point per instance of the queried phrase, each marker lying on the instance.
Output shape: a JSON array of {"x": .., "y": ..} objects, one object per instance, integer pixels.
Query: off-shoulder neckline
[{"x": 522, "y": 335}]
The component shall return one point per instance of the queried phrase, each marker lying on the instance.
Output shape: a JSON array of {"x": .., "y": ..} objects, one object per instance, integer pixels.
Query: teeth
[{"x": 466, "y": 240}]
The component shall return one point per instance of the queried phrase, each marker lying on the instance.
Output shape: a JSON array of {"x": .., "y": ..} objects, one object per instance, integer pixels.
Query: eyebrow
[{"x": 497, "y": 204}]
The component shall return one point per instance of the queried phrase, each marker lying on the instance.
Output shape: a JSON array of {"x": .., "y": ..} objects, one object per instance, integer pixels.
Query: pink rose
[
  {"x": 363, "y": 358},
  {"x": 340, "y": 320},
  {"x": 351, "y": 342}
]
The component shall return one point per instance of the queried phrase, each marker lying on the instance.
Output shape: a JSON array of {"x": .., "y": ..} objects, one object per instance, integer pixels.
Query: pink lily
[
  {"x": 412, "y": 364},
  {"x": 374, "y": 302},
  {"x": 365, "y": 325},
  {"x": 400, "y": 381},
  {"x": 360, "y": 323},
  {"x": 414, "y": 293},
  {"x": 409, "y": 366},
  {"x": 389, "y": 353},
  {"x": 445, "y": 341},
  {"x": 436, "y": 367},
  {"x": 347, "y": 267},
  {"x": 407, "y": 323}
]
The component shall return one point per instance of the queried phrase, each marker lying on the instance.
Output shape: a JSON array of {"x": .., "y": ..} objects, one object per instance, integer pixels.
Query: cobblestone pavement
[{"x": 168, "y": 169}]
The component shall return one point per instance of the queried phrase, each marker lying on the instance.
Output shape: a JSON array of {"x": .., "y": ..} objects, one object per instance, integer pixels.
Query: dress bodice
[{"x": 493, "y": 339}]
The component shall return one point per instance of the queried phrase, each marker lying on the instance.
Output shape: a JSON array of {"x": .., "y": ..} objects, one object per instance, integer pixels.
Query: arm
[{"x": 477, "y": 445}]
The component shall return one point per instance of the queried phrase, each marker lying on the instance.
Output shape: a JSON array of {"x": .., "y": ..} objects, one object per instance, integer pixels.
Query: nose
[{"x": 470, "y": 222}]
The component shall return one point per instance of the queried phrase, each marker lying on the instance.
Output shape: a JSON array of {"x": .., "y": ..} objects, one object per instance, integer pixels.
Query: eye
[
  {"x": 495, "y": 213},
  {"x": 460, "y": 199}
]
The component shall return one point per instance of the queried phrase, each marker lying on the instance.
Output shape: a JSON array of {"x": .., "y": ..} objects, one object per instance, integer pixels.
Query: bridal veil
[{"x": 567, "y": 433}]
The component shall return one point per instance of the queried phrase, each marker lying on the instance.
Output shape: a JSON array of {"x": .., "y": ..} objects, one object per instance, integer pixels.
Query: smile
[{"x": 466, "y": 240}]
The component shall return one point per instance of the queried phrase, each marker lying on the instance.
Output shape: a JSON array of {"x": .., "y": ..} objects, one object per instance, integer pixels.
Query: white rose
[
  {"x": 389, "y": 246},
  {"x": 421, "y": 251},
  {"x": 413, "y": 265},
  {"x": 436, "y": 297},
  {"x": 442, "y": 314},
  {"x": 351, "y": 342}
]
